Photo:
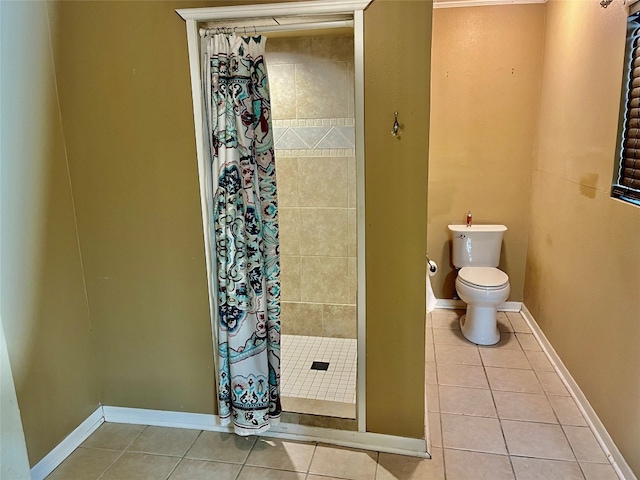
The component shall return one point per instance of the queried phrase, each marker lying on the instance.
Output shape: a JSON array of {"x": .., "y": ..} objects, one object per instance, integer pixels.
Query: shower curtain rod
[{"x": 255, "y": 29}]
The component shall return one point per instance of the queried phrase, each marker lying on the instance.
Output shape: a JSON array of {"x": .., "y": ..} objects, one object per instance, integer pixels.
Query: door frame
[{"x": 312, "y": 9}]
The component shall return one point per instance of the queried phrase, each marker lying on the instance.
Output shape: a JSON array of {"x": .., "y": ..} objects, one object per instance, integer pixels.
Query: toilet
[{"x": 479, "y": 283}]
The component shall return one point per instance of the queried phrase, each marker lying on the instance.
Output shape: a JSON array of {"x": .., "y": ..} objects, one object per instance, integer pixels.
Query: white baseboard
[
  {"x": 56, "y": 456},
  {"x": 460, "y": 305},
  {"x": 161, "y": 418},
  {"x": 604, "y": 439},
  {"x": 364, "y": 440}
]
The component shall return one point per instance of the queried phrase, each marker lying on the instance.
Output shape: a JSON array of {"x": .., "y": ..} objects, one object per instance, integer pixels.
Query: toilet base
[{"x": 479, "y": 325}]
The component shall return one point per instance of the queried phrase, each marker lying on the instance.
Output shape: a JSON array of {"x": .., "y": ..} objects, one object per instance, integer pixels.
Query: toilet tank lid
[{"x": 478, "y": 228}]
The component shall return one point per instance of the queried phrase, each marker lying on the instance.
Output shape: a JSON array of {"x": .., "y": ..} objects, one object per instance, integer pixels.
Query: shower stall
[{"x": 312, "y": 97}]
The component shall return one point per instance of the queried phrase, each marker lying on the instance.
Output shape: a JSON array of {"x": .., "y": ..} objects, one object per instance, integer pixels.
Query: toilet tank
[{"x": 476, "y": 246}]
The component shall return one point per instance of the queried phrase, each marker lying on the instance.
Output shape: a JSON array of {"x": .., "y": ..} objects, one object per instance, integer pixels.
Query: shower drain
[{"x": 320, "y": 366}]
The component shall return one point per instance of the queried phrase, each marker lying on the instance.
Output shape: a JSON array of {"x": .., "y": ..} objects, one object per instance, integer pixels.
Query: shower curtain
[{"x": 244, "y": 236}]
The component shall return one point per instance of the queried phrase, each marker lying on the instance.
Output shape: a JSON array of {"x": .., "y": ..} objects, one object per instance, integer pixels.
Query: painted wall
[
  {"x": 485, "y": 91},
  {"x": 397, "y": 71},
  {"x": 44, "y": 308},
  {"x": 125, "y": 99},
  {"x": 312, "y": 98},
  {"x": 122, "y": 136},
  {"x": 583, "y": 271}
]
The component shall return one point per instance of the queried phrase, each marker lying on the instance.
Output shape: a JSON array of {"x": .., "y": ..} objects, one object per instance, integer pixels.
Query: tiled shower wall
[{"x": 312, "y": 92}]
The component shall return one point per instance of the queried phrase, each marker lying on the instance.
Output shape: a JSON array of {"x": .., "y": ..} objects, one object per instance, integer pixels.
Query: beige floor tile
[
  {"x": 584, "y": 444},
  {"x": 449, "y": 336},
  {"x": 282, "y": 455},
  {"x": 528, "y": 342},
  {"x": 139, "y": 466},
  {"x": 552, "y": 384},
  {"x": 504, "y": 325},
  {"x": 467, "y": 401},
  {"x": 518, "y": 323},
  {"x": 344, "y": 463},
  {"x": 598, "y": 471},
  {"x": 567, "y": 411},
  {"x": 204, "y": 470},
  {"x": 472, "y": 433},
  {"x": 539, "y": 469},
  {"x": 435, "y": 430},
  {"x": 321, "y": 477},
  {"x": 223, "y": 447},
  {"x": 505, "y": 358},
  {"x": 164, "y": 441},
  {"x": 114, "y": 436},
  {"x": 429, "y": 321},
  {"x": 463, "y": 465},
  {"x": 507, "y": 341},
  {"x": 433, "y": 398},
  {"x": 462, "y": 375},
  {"x": 539, "y": 361},
  {"x": 513, "y": 380},
  {"x": 429, "y": 353},
  {"x": 457, "y": 355},
  {"x": 524, "y": 406},
  {"x": 428, "y": 332},
  {"x": 430, "y": 373},
  {"x": 441, "y": 318},
  {"x": 257, "y": 473},
  {"x": 84, "y": 464},
  {"x": 536, "y": 440},
  {"x": 401, "y": 467}
]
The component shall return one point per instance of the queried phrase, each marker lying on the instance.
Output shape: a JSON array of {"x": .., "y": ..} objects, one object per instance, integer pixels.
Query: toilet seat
[{"x": 485, "y": 278}]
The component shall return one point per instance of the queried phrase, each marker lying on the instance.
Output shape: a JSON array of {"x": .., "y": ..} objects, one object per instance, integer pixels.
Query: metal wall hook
[{"x": 396, "y": 125}]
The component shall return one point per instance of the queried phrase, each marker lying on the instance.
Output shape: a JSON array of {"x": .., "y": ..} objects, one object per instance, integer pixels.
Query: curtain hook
[{"x": 255, "y": 31}]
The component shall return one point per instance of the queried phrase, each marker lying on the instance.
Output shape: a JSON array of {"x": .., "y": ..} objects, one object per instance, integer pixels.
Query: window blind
[{"x": 627, "y": 184}]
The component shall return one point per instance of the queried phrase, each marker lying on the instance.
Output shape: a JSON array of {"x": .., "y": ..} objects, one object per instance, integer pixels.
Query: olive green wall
[
  {"x": 397, "y": 68},
  {"x": 583, "y": 270},
  {"x": 486, "y": 69},
  {"x": 42, "y": 296},
  {"x": 125, "y": 98},
  {"x": 127, "y": 324}
]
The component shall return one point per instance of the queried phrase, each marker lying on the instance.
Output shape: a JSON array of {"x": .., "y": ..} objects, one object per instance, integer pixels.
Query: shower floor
[{"x": 318, "y": 375}]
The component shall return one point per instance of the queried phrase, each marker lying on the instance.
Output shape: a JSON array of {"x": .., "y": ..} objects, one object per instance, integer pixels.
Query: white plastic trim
[
  {"x": 324, "y": 7},
  {"x": 198, "y": 421},
  {"x": 361, "y": 314},
  {"x": 610, "y": 449},
  {"x": 481, "y": 3},
  {"x": 56, "y": 456}
]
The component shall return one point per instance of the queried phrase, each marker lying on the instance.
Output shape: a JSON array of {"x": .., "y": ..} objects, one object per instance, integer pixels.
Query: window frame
[{"x": 618, "y": 190}]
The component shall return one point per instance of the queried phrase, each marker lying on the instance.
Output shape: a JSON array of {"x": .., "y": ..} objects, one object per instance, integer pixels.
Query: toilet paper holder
[{"x": 433, "y": 267}]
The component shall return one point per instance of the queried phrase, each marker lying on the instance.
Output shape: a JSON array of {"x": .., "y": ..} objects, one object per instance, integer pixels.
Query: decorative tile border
[
  {"x": 313, "y": 137},
  {"x": 332, "y": 152}
]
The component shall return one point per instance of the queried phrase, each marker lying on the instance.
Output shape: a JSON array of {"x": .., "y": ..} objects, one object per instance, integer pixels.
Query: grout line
[{"x": 122, "y": 452}]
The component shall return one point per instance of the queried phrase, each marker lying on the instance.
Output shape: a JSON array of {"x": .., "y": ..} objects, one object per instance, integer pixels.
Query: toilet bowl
[{"x": 483, "y": 289}]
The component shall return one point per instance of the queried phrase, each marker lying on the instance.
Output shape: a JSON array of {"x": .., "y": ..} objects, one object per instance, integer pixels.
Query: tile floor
[
  {"x": 502, "y": 412},
  {"x": 338, "y": 383},
  {"x": 494, "y": 413}
]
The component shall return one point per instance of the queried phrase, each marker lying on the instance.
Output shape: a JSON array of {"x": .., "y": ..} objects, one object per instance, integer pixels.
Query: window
[{"x": 626, "y": 178}]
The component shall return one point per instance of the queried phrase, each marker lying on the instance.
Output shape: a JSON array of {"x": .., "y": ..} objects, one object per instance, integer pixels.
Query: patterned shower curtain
[{"x": 244, "y": 231}]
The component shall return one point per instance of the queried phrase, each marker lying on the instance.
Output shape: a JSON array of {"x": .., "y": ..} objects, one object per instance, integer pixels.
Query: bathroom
[{"x": 138, "y": 285}]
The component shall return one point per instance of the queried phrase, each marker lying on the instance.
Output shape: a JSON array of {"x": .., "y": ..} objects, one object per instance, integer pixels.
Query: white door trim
[{"x": 308, "y": 8}]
